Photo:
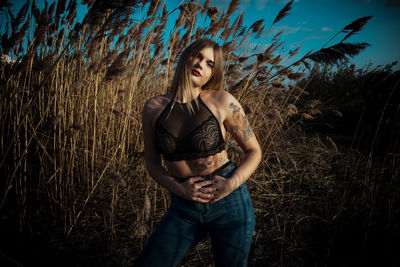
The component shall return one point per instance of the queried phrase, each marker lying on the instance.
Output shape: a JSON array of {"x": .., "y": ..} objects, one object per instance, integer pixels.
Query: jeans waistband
[{"x": 224, "y": 168}]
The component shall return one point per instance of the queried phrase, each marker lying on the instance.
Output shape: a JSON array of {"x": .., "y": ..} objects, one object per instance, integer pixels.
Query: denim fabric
[{"x": 230, "y": 223}]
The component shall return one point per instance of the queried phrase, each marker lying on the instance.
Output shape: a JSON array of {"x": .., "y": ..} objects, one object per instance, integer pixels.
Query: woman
[{"x": 208, "y": 192}]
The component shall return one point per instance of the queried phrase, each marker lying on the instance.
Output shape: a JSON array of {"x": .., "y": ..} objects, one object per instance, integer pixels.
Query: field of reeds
[{"x": 74, "y": 188}]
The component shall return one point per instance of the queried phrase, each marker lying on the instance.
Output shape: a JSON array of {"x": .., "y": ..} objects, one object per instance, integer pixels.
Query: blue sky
[{"x": 312, "y": 23}]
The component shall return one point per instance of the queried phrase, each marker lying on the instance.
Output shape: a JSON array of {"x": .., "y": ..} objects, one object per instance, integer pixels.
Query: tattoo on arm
[{"x": 240, "y": 125}]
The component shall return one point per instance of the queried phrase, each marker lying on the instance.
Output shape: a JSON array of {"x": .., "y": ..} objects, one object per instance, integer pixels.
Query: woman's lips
[{"x": 196, "y": 73}]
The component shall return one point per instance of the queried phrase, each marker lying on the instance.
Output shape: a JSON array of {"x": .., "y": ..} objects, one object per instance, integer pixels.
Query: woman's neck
[{"x": 195, "y": 94}]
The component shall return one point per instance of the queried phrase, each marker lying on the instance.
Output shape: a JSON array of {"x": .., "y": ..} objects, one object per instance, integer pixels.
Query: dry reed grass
[{"x": 71, "y": 142}]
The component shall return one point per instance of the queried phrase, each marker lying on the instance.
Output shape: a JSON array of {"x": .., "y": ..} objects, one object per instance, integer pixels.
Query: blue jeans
[{"x": 230, "y": 223}]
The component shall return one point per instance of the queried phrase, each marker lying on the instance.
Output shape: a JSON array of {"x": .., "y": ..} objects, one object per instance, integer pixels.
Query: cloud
[
  {"x": 311, "y": 37},
  {"x": 244, "y": 3},
  {"x": 288, "y": 30},
  {"x": 324, "y": 29},
  {"x": 261, "y": 4},
  {"x": 223, "y": 4}
]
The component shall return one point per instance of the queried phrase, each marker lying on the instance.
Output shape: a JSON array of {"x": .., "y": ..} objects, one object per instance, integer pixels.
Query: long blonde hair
[{"x": 181, "y": 82}]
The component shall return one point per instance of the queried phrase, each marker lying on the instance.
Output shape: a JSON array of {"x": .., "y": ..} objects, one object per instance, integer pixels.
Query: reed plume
[
  {"x": 284, "y": 12},
  {"x": 233, "y": 6},
  {"x": 355, "y": 27},
  {"x": 257, "y": 26},
  {"x": 337, "y": 53},
  {"x": 213, "y": 13}
]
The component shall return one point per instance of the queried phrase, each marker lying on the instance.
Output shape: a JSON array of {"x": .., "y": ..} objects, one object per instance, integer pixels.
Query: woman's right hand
[{"x": 195, "y": 188}]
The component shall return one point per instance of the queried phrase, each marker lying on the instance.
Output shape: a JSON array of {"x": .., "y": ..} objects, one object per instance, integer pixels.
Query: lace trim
[
  {"x": 180, "y": 141},
  {"x": 177, "y": 143}
]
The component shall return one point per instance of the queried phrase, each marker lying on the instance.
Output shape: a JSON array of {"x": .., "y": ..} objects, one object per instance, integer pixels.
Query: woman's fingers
[
  {"x": 205, "y": 191},
  {"x": 195, "y": 179},
  {"x": 201, "y": 200},
  {"x": 208, "y": 190},
  {"x": 201, "y": 192},
  {"x": 203, "y": 183},
  {"x": 205, "y": 196},
  {"x": 222, "y": 187},
  {"x": 199, "y": 182}
]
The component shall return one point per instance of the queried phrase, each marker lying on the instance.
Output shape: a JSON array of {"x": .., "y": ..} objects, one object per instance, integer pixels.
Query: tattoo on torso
[{"x": 215, "y": 161}]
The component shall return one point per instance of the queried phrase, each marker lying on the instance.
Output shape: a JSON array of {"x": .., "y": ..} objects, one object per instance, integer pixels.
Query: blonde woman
[{"x": 186, "y": 129}]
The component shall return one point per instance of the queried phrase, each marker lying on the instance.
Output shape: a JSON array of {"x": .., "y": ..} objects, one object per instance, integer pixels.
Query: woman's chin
[{"x": 196, "y": 84}]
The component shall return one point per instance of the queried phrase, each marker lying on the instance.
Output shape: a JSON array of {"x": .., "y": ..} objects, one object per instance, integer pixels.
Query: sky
[{"x": 311, "y": 23}]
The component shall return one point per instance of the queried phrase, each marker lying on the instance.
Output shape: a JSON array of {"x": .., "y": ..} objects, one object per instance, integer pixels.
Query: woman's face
[{"x": 202, "y": 67}]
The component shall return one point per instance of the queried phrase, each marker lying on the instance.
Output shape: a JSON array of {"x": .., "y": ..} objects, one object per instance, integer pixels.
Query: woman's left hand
[{"x": 221, "y": 187}]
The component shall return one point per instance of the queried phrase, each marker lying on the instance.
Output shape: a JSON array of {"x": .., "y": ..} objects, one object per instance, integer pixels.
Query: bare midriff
[{"x": 196, "y": 167}]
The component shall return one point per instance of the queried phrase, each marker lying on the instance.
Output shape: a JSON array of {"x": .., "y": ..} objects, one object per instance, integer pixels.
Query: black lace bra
[{"x": 180, "y": 135}]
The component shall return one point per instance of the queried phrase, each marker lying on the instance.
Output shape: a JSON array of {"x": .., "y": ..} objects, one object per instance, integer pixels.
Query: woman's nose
[{"x": 198, "y": 64}]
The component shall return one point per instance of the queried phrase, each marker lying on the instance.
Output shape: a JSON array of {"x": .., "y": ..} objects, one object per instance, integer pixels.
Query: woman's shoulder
[
  {"x": 219, "y": 98},
  {"x": 155, "y": 105}
]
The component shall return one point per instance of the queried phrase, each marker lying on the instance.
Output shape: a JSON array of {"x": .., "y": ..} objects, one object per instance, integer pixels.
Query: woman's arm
[
  {"x": 188, "y": 189},
  {"x": 151, "y": 157},
  {"x": 238, "y": 126}
]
